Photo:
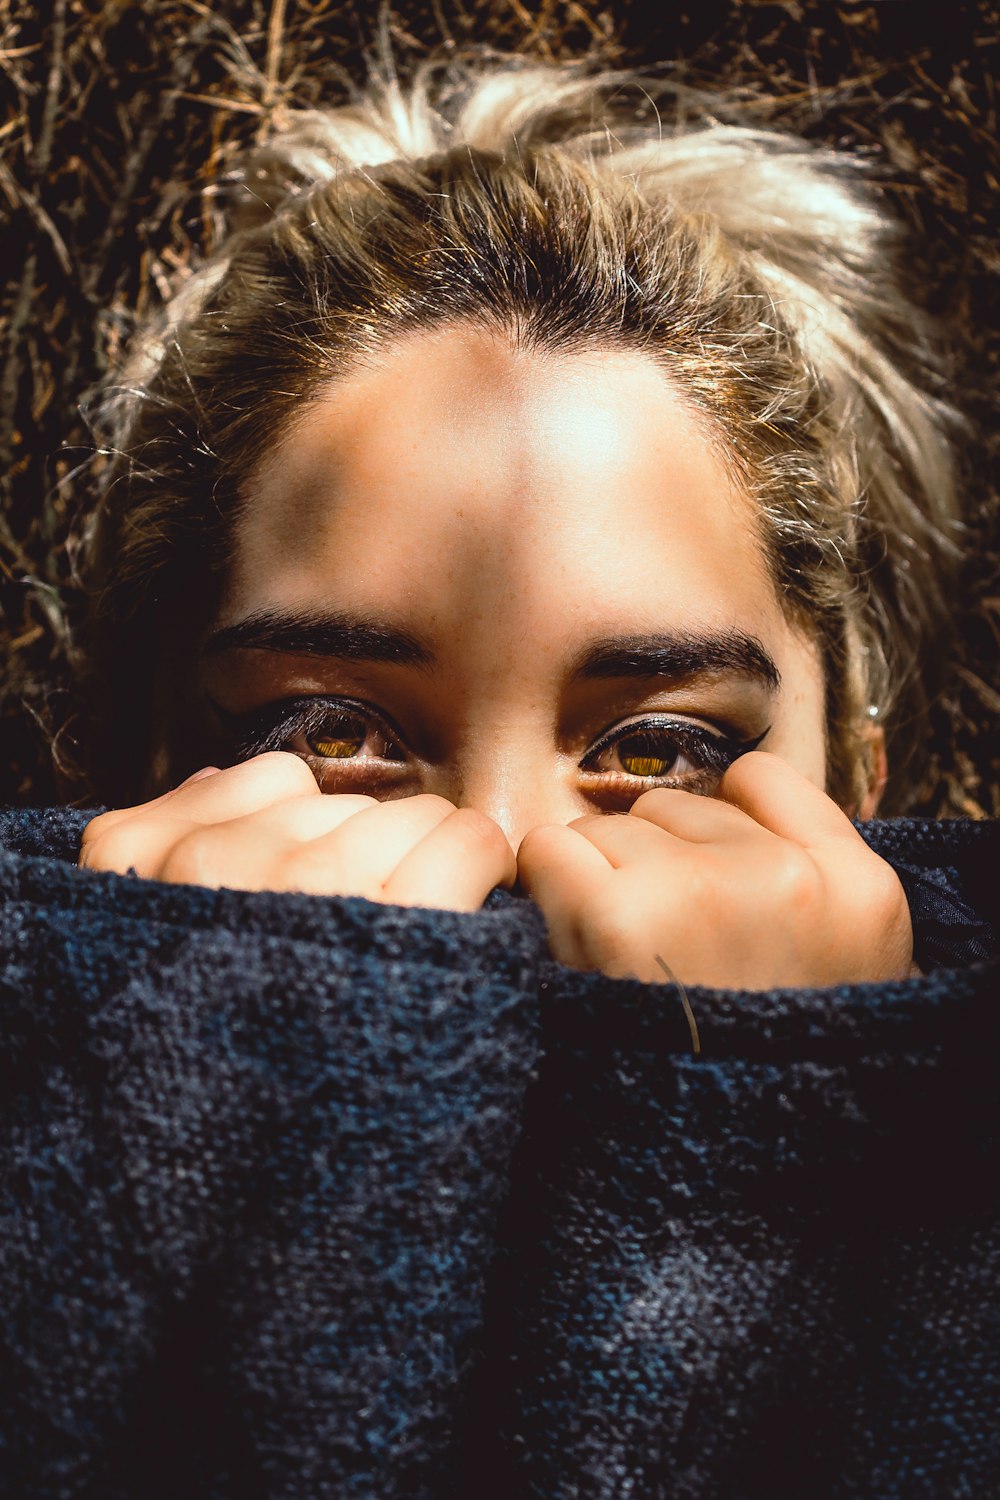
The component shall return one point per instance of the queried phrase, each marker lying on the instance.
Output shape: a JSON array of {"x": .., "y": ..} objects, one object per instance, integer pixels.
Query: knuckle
[
  {"x": 796, "y": 879},
  {"x": 750, "y": 765},
  {"x": 531, "y": 841},
  {"x": 536, "y": 837},
  {"x": 312, "y": 818},
  {"x": 616, "y": 930},
  {"x": 433, "y": 801},
  {"x": 280, "y": 769},
  {"x": 880, "y": 892},
  {"x": 591, "y": 820},
  {"x": 735, "y": 776},
  {"x": 97, "y": 828},
  {"x": 193, "y": 859},
  {"x": 538, "y": 849},
  {"x": 91, "y": 854},
  {"x": 658, "y": 799},
  {"x": 306, "y": 867},
  {"x": 110, "y": 847},
  {"x": 703, "y": 885},
  {"x": 481, "y": 827}
]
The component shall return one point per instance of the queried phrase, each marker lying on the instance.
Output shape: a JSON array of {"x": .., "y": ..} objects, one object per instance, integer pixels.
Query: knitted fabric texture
[{"x": 308, "y": 1198}]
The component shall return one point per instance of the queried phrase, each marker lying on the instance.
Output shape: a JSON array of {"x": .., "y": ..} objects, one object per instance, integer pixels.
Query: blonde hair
[{"x": 569, "y": 209}]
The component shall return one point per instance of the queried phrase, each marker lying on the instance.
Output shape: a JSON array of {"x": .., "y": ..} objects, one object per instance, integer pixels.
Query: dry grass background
[{"x": 120, "y": 117}]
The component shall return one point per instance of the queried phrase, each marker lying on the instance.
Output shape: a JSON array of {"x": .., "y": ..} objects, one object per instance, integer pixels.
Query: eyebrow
[
  {"x": 355, "y": 638},
  {"x": 680, "y": 656},
  {"x": 351, "y": 637}
]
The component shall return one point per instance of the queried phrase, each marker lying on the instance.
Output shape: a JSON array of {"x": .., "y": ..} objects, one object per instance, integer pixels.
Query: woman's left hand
[{"x": 766, "y": 885}]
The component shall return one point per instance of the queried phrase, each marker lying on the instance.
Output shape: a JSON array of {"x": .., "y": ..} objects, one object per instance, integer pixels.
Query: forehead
[{"x": 459, "y": 472}]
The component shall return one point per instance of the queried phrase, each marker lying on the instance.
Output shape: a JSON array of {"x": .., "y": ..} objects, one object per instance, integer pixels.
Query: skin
[{"x": 508, "y": 511}]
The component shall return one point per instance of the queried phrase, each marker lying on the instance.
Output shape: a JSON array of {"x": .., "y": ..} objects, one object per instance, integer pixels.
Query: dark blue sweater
[{"x": 308, "y": 1198}]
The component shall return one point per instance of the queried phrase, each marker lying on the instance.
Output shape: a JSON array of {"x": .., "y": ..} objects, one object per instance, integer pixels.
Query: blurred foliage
[{"x": 120, "y": 119}]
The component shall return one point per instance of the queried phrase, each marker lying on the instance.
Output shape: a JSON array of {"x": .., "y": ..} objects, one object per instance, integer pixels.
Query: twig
[
  {"x": 10, "y": 380},
  {"x": 43, "y": 146},
  {"x": 26, "y": 199},
  {"x": 236, "y": 106},
  {"x": 275, "y": 36},
  {"x": 184, "y": 62},
  {"x": 685, "y": 1002}
]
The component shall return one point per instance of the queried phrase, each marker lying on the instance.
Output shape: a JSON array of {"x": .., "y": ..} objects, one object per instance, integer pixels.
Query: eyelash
[
  {"x": 271, "y": 727},
  {"x": 715, "y": 751},
  {"x": 274, "y": 725}
]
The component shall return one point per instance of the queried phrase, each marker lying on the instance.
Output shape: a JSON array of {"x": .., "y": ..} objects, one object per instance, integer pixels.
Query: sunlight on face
[{"x": 522, "y": 580}]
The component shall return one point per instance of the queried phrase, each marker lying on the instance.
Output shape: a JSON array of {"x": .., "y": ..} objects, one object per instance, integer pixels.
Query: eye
[
  {"x": 345, "y": 734},
  {"x": 668, "y": 752},
  {"x": 648, "y": 754},
  {"x": 331, "y": 734}
]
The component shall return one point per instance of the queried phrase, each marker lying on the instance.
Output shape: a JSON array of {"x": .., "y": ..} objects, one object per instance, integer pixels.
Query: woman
[
  {"x": 517, "y": 471},
  {"x": 534, "y": 445}
]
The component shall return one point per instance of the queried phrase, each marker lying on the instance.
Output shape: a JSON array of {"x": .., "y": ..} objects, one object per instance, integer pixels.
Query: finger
[
  {"x": 266, "y": 850},
  {"x": 246, "y": 788},
  {"x": 140, "y": 837},
  {"x": 298, "y": 845},
  {"x": 455, "y": 865},
  {"x": 688, "y": 816},
  {"x": 621, "y": 840},
  {"x": 781, "y": 799},
  {"x": 119, "y": 814},
  {"x": 566, "y": 875},
  {"x": 671, "y": 817},
  {"x": 363, "y": 852},
  {"x": 229, "y": 855},
  {"x": 303, "y": 819},
  {"x": 141, "y": 844},
  {"x": 229, "y": 793}
]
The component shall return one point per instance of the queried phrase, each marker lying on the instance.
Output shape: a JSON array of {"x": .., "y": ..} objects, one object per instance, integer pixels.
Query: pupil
[
  {"x": 333, "y": 746},
  {"x": 639, "y": 756}
]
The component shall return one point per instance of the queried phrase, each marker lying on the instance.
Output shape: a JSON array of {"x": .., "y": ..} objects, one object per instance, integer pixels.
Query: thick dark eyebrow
[
  {"x": 355, "y": 638},
  {"x": 348, "y": 636},
  {"x": 679, "y": 657}
]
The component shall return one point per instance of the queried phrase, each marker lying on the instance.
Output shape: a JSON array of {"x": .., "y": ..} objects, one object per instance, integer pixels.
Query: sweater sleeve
[
  {"x": 753, "y": 1243},
  {"x": 253, "y": 1148},
  {"x": 322, "y": 1198},
  {"x": 947, "y": 871}
]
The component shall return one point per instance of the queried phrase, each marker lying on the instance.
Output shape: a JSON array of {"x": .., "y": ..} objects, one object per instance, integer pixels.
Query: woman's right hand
[{"x": 265, "y": 825}]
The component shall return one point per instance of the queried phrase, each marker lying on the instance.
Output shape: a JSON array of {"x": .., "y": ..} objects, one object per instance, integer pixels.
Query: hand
[
  {"x": 265, "y": 825},
  {"x": 767, "y": 885}
]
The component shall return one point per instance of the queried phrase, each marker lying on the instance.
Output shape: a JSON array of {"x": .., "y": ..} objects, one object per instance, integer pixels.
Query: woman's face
[{"x": 524, "y": 581}]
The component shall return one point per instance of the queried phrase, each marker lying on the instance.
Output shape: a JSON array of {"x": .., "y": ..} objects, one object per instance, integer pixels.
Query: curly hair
[{"x": 567, "y": 210}]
